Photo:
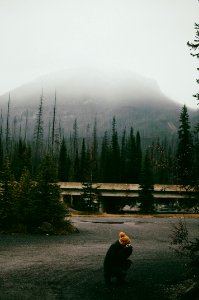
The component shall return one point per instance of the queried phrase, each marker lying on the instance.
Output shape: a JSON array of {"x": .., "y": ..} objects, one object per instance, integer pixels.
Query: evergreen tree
[
  {"x": 171, "y": 165},
  {"x": 74, "y": 153},
  {"x": 26, "y": 127},
  {"x": 94, "y": 154},
  {"x": 114, "y": 155},
  {"x": 123, "y": 157},
  {"x": 146, "y": 186},
  {"x": 194, "y": 46},
  {"x": 75, "y": 138},
  {"x": 138, "y": 157},
  {"x": 23, "y": 197},
  {"x": 58, "y": 136},
  {"x": 89, "y": 198},
  {"x": 185, "y": 150},
  {"x": 77, "y": 176},
  {"x": 194, "y": 202},
  {"x": 53, "y": 126},
  {"x": 131, "y": 158},
  {"x": 159, "y": 155},
  {"x": 47, "y": 169},
  {"x": 21, "y": 158},
  {"x": 8, "y": 217},
  {"x": 105, "y": 159},
  {"x": 14, "y": 130},
  {"x": 47, "y": 207},
  {"x": 1, "y": 149},
  {"x": 63, "y": 163},
  {"x": 84, "y": 168}
]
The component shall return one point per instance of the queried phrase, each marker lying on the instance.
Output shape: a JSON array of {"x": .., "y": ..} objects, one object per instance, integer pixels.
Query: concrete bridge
[{"x": 162, "y": 193}]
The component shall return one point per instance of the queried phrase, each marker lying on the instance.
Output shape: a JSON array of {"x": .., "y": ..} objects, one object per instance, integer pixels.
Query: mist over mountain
[{"x": 86, "y": 94}]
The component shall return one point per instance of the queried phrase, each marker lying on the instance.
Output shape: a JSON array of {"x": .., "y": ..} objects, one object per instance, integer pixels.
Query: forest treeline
[
  {"x": 109, "y": 158},
  {"x": 30, "y": 167}
]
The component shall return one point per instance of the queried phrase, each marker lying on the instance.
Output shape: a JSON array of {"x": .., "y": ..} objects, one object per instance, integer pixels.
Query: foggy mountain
[{"x": 86, "y": 94}]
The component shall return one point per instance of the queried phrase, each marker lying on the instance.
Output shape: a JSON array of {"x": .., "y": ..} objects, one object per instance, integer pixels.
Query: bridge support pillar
[{"x": 101, "y": 207}]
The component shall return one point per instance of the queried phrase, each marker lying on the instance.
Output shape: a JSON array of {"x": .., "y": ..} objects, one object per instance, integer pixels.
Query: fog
[
  {"x": 90, "y": 85},
  {"x": 146, "y": 37}
]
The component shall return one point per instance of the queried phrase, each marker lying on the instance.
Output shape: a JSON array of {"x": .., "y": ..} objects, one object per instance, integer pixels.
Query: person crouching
[{"x": 116, "y": 262}]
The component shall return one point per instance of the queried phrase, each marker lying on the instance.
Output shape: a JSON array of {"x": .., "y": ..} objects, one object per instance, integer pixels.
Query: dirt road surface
[{"x": 71, "y": 267}]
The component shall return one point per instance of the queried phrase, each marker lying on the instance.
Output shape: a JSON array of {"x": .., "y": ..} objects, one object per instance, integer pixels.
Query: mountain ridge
[{"x": 84, "y": 95}]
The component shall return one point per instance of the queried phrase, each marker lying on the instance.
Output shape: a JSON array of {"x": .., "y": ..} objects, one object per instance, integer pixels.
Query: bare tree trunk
[
  {"x": 8, "y": 128},
  {"x": 53, "y": 125}
]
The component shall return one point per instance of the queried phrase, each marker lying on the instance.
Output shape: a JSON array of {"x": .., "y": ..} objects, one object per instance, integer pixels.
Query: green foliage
[
  {"x": 185, "y": 152},
  {"x": 114, "y": 155},
  {"x": 23, "y": 197},
  {"x": 194, "y": 46},
  {"x": 179, "y": 235},
  {"x": 47, "y": 169},
  {"x": 138, "y": 156},
  {"x": 105, "y": 159},
  {"x": 1, "y": 150},
  {"x": 131, "y": 175},
  {"x": 119, "y": 160},
  {"x": 63, "y": 163},
  {"x": 77, "y": 159},
  {"x": 7, "y": 200},
  {"x": 89, "y": 198},
  {"x": 184, "y": 246},
  {"x": 31, "y": 206},
  {"x": 46, "y": 205},
  {"x": 21, "y": 158},
  {"x": 76, "y": 167},
  {"x": 188, "y": 176},
  {"x": 84, "y": 163},
  {"x": 94, "y": 154},
  {"x": 163, "y": 162}
]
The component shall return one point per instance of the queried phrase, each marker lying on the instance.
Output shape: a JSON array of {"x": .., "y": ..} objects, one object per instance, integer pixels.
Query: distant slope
[{"x": 87, "y": 93}]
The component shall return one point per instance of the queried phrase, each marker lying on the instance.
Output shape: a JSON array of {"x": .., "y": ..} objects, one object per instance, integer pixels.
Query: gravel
[{"x": 71, "y": 266}]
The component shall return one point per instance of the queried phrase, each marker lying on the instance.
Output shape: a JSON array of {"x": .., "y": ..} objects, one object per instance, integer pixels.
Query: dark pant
[{"x": 118, "y": 271}]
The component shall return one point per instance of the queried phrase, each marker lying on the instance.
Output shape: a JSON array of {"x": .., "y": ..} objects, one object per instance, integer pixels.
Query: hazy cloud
[{"x": 149, "y": 37}]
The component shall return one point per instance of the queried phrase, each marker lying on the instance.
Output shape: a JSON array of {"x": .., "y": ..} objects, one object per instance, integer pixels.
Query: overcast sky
[{"x": 145, "y": 36}]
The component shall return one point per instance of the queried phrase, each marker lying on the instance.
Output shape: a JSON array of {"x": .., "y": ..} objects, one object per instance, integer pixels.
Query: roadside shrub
[
  {"x": 183, "y": 246},
  {"x": 29, "y": 206}
]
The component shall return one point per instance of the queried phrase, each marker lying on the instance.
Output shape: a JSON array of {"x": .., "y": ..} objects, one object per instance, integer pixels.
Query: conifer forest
[{"x": 31, "y": 164}]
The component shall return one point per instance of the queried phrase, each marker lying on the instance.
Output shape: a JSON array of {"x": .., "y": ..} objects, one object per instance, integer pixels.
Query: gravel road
[{"x": 70, "y": 267}]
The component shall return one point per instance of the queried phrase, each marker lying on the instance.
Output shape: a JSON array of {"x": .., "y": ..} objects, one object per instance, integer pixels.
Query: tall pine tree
[
  {"x": 84, "y": 164},
  {"x": 94, "y": 154},
  {"x": 8, "y": 212},
  {"x": 63, "y": 163},
  {"x": 131, "y": 159},
  {"x": 114, "y": 155},
  {"x": 138, "y": 157},
  {"x": 105, "y": 159},
  {"x": 185, "y": 150}
]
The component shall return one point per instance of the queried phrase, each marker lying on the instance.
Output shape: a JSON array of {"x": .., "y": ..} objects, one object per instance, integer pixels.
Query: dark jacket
[{"x": 116, "y": 256}]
